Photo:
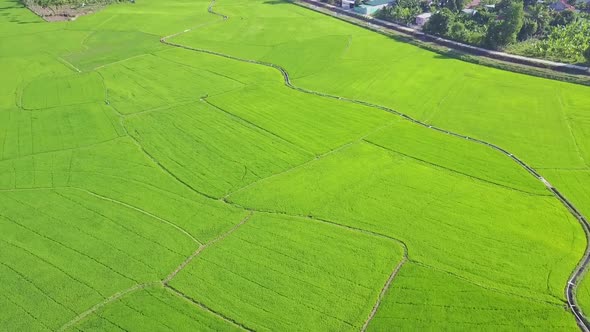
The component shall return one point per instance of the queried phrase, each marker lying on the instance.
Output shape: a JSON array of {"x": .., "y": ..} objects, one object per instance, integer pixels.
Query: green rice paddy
[{"x": 145, "y": 186}]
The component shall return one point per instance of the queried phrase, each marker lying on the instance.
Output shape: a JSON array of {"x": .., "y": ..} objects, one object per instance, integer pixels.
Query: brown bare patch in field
[{"x": 62, "y": 13}]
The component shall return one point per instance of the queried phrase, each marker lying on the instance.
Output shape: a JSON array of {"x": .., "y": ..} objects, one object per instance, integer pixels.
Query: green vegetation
[
  {"x": 521, "y": 27},
  {"x": 154, "y": 308},
  {"x": 146, "y": 186},
  {"x": 260, "y": 275},
  {"x": 563, "y": 42},
  {"x": 412, "y": 297}
]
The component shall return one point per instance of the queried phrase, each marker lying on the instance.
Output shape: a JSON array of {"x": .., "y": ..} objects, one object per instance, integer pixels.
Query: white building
[
  {"x": 347, "y": 4},
  {"x": 422, "y": 19}
]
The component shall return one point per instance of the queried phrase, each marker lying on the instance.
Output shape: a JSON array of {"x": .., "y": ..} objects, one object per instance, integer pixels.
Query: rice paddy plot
[
  {"x": 424, "y": 298},
  {"x": 237, "y": 71},
  {"x": 457, "y": 155},
  {"x": 117, "y": 171},
  {"x": 105, "y": 47},
  {"x": 150, "y": 17},
  {"x": 109, "y": 192},
  {"x": 46, "y": 40},
  {"x": 478, "y": 230},
  {"x": 300, "y": 62},
  {"x": 22, "y": 70},
  {"x": 569, "y": 183},
  {"x": 18, "y": 20},
  {"x": 211, "y": 150},
  {"x": 64, "y": 250},
  {"x": 314, "y": 123},
  {"x": 583, "y": 294},
  {"x": 285, "y": 273},
  {"x": 512, "y": 110},
  {"x": 51, "y": 92},
  {"x": 150, "y": 82},
  {"x": 26, "y": 133},
  {"x": 153, "y": 308}
]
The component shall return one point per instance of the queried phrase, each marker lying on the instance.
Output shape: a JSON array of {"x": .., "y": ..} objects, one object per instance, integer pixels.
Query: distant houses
[
  {"x": 348, "y": 4},
  {"x": 422, "y": 19},
  {"x": 561, "y": 5}
]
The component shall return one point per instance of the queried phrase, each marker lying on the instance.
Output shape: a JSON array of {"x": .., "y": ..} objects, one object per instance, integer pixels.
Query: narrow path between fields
[
  {"x": 578, "y": 272},
  {"x": 165, "y": 283}
]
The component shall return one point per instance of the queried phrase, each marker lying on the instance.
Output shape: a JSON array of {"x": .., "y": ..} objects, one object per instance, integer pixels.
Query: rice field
[{"x": 148, "y": 186}]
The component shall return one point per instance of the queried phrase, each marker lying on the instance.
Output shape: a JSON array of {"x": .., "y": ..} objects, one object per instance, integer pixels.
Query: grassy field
[{"x": 146, "y": 186}]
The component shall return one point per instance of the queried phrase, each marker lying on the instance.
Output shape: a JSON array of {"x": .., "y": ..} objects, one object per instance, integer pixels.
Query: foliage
[
  {"x": 587, "y": 53},
  {"x": 528, "y": 30},
  {"x": 567, "y": 42},
  {"x": 563, "y": 18},
  {"x": 403, "y": 11},
  {"x": 540, "y": 15},
  {"x": 457, "y": 31},
  {"x": 564, "y": 43},
  {"x": 440, "y": 22},
  {"x": 453, "y": 5},
  {"x": 505, "y": 30}
]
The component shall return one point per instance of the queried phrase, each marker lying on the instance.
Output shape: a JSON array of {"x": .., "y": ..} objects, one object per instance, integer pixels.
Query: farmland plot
[
  {"x": 63, "y": 251},
  {"x": 509, "y": 109},
  {"x": 542, "y": 121},
  {"x": 150, "y": 82},
  {"x": 431, "y": 299},
  {"x": 69, "y": 127},
  {"x": 444, "y": 217},
  {"x": 154, "y": 308},
  {"x": 51, "y": 92},
  {"x": 112, "y": 141},
  {"x": 275, "y": 270},
  {"x": 118, "y": 171},
  {"x": 210, "y": 149}
]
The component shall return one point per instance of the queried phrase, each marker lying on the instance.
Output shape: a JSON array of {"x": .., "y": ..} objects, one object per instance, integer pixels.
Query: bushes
[
  {"x": 504, "y": 32},
  {"x": 564, "y": 43},
  {"x": 404, "y": 11},
  {"x": 587, "y": 54},
  {"x": 439, "y": 23}
]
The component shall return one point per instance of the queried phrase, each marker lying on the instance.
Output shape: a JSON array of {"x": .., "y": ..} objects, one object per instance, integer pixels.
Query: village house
[
  {"x": 561, "y": 5},
  {"x": 422, "y": 19},
  {"x": 372, "y": 6}
]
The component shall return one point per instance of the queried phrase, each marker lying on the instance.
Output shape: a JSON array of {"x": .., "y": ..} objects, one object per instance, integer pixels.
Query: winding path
[{"x": 575, "y": 278}]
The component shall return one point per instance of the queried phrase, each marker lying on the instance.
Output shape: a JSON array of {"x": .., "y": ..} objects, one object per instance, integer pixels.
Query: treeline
[{"x": 524, "y": 27}]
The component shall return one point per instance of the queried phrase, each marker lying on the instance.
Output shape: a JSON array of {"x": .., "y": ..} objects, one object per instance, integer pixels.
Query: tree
[
  {"x": 439, "y": 22},
  {"x": 529, "y": 29},
  {"x": 458, "y": 32},
  {"x": 541, "y": 15},
  {"x": 504, "y": 31},
  {"x": 484, "y": 17},
  {"x": 587, "y": 53},
  {"x": 453, "y": 5},
  {"x": 404, "y": 11},
  {"x": 564, "y": 18},
  {"x": 528, "y": 3}
]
